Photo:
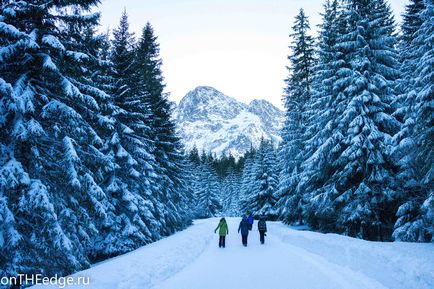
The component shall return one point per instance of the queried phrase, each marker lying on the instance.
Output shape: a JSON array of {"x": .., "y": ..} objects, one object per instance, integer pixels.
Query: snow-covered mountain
[{"x": 214, "y": 122}]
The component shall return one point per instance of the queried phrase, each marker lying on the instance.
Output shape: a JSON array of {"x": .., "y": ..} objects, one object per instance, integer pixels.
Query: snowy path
[
  {"x": 273, "y": 265},
  {"x": 290, "y": 259}
]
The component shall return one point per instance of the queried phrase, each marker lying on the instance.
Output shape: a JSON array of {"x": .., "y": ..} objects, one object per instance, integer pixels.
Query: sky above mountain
[{"x": 239, "y": 46}]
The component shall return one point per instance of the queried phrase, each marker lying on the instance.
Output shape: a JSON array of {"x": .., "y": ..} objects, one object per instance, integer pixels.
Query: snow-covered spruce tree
[
  {"x": 194, "y": 157},
  {"x": 195, "y": 181},
  {"x": 103, "y": 72},
  {"x": 424, "y": 128},
  {"x": 231, "y": 194},
  {"x": 9, "y": 238},
  {"x": 193, "y": 178},
  {"x": 416, "y": 216},
  {"x": 13, "y": 182},
  {"x": 247, "y": 179},
  {"x": 207, "y": 190},
  {"x": 296, "y": 95},
  {"x": 324, "y": 75},
  {"x": 361, "y": 187},
  {"x": 130, "y": 181},
  {"x": 322, "y": 112},
  {"x": 412, "y": 20},
  {"x": 261, "y": 199},
  {"x": 47, "y": 182},
  {"x": 172, "y": 189},
  {"x": 84, "y": 36},
  {"x": 405, "y": 103},
  {"x": 405, "y": 149},
  {"x": 409, "y": 57}
]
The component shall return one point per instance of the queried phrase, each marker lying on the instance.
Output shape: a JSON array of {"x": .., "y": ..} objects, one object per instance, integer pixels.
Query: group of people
[{"x": 245, "y": 226}]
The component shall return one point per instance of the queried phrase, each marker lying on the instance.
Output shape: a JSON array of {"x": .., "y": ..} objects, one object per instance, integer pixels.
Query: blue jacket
[
  {"x": 250, "y": 220},
  {"x": 243, "y": 227}
]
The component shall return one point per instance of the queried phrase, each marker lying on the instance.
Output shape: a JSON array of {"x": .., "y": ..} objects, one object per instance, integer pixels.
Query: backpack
[{"x": 261, "y": 225}]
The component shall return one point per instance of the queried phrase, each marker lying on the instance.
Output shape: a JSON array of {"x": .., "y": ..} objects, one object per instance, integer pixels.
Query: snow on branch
[{"x": 53, "y": 42}]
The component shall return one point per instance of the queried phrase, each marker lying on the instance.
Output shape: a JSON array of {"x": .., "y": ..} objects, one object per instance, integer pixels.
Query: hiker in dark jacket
[
  {"x": 223, "y": 231},
  {"x": 250, "y": 222},
  {"x": 262, "y": 228},
  {"x": 244, "y": 229}
]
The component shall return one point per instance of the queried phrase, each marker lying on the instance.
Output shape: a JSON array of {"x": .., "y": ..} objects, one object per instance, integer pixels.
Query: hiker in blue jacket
[
  {"x": 250, "y": 221},
  {"x": 244, "y": 229}
]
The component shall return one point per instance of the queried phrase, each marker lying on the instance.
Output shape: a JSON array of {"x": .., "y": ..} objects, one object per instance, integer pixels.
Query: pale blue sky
[{"x": 237, "y": 46}]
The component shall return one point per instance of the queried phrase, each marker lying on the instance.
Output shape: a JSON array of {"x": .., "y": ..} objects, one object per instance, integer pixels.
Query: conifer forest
[{"x": 91, "y": 166}]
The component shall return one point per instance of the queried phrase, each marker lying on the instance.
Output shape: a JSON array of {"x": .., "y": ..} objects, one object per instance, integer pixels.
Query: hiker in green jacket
[{"x": 223, "y": 231}]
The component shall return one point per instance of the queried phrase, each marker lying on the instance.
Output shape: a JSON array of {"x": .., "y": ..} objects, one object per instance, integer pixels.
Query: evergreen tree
[
  {"x": 207, "y": 193},
  {"x": 411, "y": 20},
  {"x": 231, "y": 194},
  {"x": 129, "y": 182},
  {"x": 47, "y": 182},
  {"x": 192, "y": 175},
  {"x": 171, "y": 166},
  {"x": 360, "y": 188},
  {"x": 322, "y": 110},
  {"x": 261, "y": 199},
  {"x": 194, "y": 156},
  {"x": 247, "y": 180},
  {"x": 416, "y": 214},
  {"x": 405, "y": 103},
  {"x": 103, "y": 71},
  {"x": 297, "y": 95}
]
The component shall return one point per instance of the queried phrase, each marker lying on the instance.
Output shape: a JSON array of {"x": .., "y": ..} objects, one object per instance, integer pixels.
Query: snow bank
[
  {"x": 151, "y": 264},
  {"x": 396, "y": 265}
]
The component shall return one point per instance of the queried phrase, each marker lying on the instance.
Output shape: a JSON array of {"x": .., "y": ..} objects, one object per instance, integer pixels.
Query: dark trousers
[
  {"x": 262, "y": 236},
  {"x": 244, "y": 239},
  {"x": 222, "y": 240}
]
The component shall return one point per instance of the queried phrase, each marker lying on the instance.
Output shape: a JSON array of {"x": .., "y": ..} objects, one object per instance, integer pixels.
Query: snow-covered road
[
  {"x": 273, "y": 265},
  {"x": 290, "y": 259}
]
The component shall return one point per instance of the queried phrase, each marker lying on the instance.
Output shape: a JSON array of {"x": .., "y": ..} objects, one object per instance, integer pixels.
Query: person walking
[
  {"x": 244, "y": 229},
  {"x": 250, "y": 221},
  {"x": 223, "y": 231},
  {"x": 262, "y": 228}
]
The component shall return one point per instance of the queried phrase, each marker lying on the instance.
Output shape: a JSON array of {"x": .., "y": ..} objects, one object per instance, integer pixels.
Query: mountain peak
[
  {"x": 217, "y": 123},
  {"x": 205, "y": 88},
  {"x": 260, "y": 102},
  {"x": 205, "y": 102},
  {"x": 205, "y": 94}
]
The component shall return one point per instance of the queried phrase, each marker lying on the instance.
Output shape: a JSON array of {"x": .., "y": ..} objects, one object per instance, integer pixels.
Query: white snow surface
[{"x": 289, "y": 259}]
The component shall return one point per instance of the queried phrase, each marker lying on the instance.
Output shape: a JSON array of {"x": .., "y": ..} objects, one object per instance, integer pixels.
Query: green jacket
[{"x": 224, "y": 230}]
